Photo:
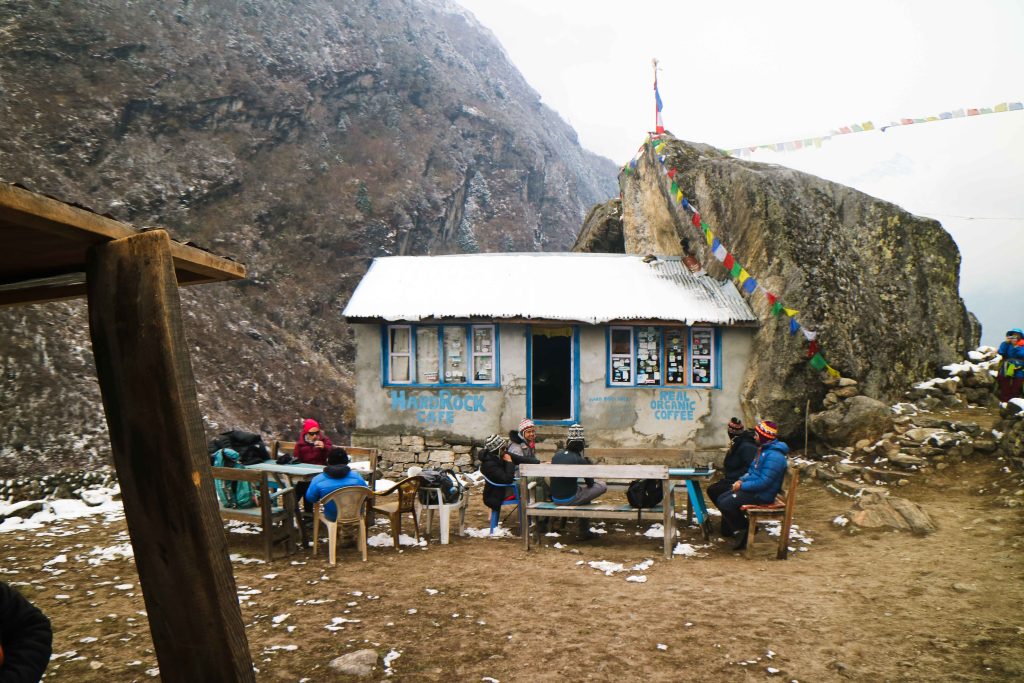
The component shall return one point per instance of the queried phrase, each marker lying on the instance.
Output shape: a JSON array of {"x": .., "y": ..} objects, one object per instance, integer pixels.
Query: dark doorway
[{"x": 551, "y": 374}]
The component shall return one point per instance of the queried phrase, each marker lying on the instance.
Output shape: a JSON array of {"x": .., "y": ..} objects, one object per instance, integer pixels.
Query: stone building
[{"x": 641, "y": 351}]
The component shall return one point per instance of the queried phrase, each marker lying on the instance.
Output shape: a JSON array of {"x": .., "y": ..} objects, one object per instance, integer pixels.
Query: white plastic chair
[{"x": 444, "y": 512}]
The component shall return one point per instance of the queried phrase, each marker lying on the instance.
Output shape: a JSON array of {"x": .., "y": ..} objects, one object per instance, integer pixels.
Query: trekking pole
[{"x": 807, "y": 429}]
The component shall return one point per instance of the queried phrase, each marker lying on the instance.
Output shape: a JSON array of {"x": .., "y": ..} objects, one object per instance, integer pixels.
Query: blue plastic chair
[{"x": 514, "y": 500}]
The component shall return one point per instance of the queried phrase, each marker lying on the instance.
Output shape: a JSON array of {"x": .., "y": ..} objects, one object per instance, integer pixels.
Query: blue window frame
[
  {"x": 649, "y": 355},
  {"x": 414, "y": 355}
]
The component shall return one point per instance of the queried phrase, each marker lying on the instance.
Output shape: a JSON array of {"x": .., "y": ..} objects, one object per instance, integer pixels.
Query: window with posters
[
  {"x": 440, "y": 355},
  {"x": 651, "y": 355}
]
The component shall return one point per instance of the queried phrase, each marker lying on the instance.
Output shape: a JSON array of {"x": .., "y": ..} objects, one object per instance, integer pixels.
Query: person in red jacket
[{"x": 313, "y": 445}]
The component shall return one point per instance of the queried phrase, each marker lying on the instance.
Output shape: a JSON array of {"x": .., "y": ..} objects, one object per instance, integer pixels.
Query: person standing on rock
[
  {"x": 1011, "y": 367},
  {"x": 759, "y": 485},
  {"x": 742, "y": 450}
]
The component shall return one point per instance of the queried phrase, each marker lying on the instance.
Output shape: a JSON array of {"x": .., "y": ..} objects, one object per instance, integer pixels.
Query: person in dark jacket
[
  {"x": 523, "y": 443},
  {"x": 313, "y": 445},
  {"x": 758, "y": 486},
  {"x": 337, "y": 474},
  {"x": 566, "y": 490},
  {"x": 1011, "y": 368},
  {"x": 742, "y": 449},
  {"x": 26, "y": 638},
  {"x": 497, "y": 466}
]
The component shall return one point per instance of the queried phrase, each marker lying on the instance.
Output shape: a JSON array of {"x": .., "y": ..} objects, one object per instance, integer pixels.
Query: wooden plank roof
[{"x": 44, "y": 242}]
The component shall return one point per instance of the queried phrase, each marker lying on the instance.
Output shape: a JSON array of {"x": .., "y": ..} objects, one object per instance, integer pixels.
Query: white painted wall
[{"x": 688, "y": 418}]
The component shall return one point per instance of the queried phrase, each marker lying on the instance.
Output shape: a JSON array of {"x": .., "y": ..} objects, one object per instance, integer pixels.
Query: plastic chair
[
  {"x": 514, "y": 500},
  {"x": 444, "y": 511},
  {"x": 407, "y": 491},
  {"x": 350, "y": 506}
]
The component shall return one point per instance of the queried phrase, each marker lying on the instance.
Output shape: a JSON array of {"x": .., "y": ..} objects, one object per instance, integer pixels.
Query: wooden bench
[
  {"x": 664, "y": 513},
  {"x": 781, "y": 509},
  {"x": 276, "y": 522}
]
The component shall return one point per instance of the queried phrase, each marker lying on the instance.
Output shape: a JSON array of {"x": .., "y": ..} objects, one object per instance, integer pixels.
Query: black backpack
[
  {"x": 451, "y": 488},
  {"x": 249, "y": 446},
  {"x": 644, "y": 493}
]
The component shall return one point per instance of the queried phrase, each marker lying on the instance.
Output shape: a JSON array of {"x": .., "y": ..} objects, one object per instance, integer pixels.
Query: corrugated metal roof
[{"x": 592, "y": 288}]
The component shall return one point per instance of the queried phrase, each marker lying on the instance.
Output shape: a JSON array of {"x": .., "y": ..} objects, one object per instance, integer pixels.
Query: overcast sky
[{"x": 737, "y": 73}]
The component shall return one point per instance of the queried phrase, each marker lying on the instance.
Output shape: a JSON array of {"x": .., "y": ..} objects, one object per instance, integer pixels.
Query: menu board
[
  {"x": 648, "y": 356},
  {"x": 675, "y": 357}
]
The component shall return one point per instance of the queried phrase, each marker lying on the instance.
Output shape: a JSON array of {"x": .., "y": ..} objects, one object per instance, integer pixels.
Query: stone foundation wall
[
  {"x": 61, "y": 485},
  {"x": 399, "y": 453}
]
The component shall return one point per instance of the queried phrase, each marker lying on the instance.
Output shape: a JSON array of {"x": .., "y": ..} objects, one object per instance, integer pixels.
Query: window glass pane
[
  {"x": 648, "y": 355},
  {"x": 455, "y": 355},
  {"x": 427, "y": 363},
  {"x": 621, "y": 355},
  {"x": 483, "y": 353},
  {"x": 399, "y": 368},
  {"x": 399, "y": 340},
  {"x": 675, "y": 356},
  {"x": 621, "y": 341},
  {"x": 701, "y": 367}
]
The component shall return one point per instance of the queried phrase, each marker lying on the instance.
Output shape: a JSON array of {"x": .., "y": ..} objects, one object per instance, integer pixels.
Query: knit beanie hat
[
  {"x": 766, "y": 430},
  {"x": 735, "y": 426},
  {"x": 575, "y": 434},
  {"x": 495, "y": 442},
  {"x": 525, "y": 424}
]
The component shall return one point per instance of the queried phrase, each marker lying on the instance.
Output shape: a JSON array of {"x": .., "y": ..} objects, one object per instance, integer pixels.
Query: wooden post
[{"x": 156, "y": 435}]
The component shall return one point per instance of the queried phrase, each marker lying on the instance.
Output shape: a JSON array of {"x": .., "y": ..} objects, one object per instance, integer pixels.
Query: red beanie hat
[{"x": 766, "y": 430}]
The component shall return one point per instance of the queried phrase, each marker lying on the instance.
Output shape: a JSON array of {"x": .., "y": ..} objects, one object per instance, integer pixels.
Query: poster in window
[
  {"x": 675, "y": 357},
  {"x": 701, "y": 342},
  {"x": 647, "y": 355},
  {"x": 701, "y": 371}
]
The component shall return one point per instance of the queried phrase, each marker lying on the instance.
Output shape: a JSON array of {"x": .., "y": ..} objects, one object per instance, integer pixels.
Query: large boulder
[
  {"x": 602, "y": 230},
  {"x": 878, "y": 510},
  {"x": 854, "y": 419},
  {"x": 864, "y": 274}
]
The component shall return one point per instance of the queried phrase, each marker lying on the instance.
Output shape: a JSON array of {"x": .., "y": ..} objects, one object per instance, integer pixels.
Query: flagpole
[{"x": 654, "y": 66}]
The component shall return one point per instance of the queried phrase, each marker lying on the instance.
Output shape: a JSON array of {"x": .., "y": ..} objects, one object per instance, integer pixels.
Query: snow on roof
[{"x": 592, "y": 288}]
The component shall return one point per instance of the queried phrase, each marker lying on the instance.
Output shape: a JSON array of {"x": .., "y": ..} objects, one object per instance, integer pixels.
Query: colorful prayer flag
[
  {"x": 790, "y": 311},
  {"x": 728, "y": 261},
  {"x": 832, "y": 371},
  {"x": 750, "y": 285},
  {"x": 720, "y": 252},
  {"x": 771, "y": 297},
  {"x": 659, "y": 124},
  {"x": 818, "y": 362},
  {"x": 776, "y": 308},
  {"x": 735, "y": 270}
]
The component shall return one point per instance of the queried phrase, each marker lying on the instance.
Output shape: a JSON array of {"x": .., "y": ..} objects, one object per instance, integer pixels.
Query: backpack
[
  {"x": 232, "y": 494},
  {"x": 451, "y": 488},
  {"x": 644, "y": 493},
  {"x": 249, "y": 446}
]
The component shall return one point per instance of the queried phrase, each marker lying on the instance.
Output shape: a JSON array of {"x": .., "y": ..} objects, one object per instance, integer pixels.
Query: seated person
[
  {"x": 26, "y": 638},
  {"x": 758, "y": 486},
  {"x": 523, "y": 443},
  {"x": 337, "y": 474},
  {"x": 496, "y": 464},
  {"x": 313, "y": 445},
  {"x": 742, "y": 449},
  {"x": 566, "y": 490}
]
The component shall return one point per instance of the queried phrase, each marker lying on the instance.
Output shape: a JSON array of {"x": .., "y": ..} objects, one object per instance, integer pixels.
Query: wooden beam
[{"x": 156, "y": 435}]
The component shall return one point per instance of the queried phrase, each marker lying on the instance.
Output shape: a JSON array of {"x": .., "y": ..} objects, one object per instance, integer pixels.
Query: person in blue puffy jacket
[
  {"x": 758, "y": 486},
  {"x": 1011, "y": 367},
  {"x": 337, "y": 474}
]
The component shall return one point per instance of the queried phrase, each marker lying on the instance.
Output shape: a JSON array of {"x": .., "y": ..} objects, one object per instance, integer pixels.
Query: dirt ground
[{"x": 847, "y": 605}]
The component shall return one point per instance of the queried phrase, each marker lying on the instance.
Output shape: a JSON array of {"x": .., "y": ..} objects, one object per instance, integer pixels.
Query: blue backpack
[{"x": 232, "y": 494}]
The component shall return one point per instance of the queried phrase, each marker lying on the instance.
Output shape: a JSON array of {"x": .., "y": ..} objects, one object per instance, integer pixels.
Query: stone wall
[
  {"x": 61, "y": 485},
  {"x": 399, "y": 453}
]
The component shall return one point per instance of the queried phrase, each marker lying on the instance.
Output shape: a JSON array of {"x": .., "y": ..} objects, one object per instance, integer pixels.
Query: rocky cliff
[
  {"x": 879, "y": 285},
  {"x": 302, "y": 139}
]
